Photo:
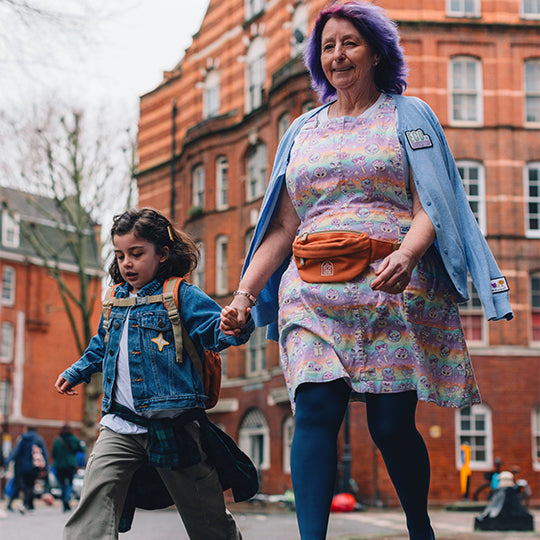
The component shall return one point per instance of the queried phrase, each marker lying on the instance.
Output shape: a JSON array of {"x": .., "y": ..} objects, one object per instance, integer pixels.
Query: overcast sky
[{"x": 128, "y": 45}]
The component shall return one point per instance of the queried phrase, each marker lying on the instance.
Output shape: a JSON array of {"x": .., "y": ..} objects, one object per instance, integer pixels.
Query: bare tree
[{"x": 85, "y": 165}]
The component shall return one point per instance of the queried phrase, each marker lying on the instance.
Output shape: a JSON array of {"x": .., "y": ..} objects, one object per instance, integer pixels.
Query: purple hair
[{"x": 382, "y": 36}]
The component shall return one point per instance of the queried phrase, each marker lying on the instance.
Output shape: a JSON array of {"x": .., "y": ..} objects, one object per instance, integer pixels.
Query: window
[
  {"x": 8, "y": 286},
  {"x": 256, "y": 172},
  {"x": 532, "y": 194},
  {"x": 4, "y": 400},
  {"x": 283, "y": 124},
  {"x": 299, "y": 29},
  {"x": 472, "y": 317},
  {"x": 472, "y": 174},
  {"x": 532, "y": 90},
  {"x": 6, "y": 347},
  {"x": 256, "y": 352},
  {"x": 530, "y": 8},
  {"x": 221, "y": 265},
  {"x": 536, "y": 438},
  {"x": 199, "y": 274},
  {"x": 466, "y": 91},
  {"x": 222, "y": 183},
  {"x": 197, "y": 187},
  {"x": 10, "y": 230},
  {"x": 253, "y": 7},
  {"x": 473, "y": 427},
  {"x": 255, "y": 74},
  {"x": 535, "y": 307},
  {"x": 463, "y": 8},
  {"x": 211, "y": 94},
  {"x": 254, "y": 438},
  {"x": 288, "y": 432},
  {"x": 224, "y": 355}
]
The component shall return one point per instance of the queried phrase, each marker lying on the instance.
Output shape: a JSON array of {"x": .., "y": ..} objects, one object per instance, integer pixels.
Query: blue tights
[{"x": 320, "y": 408}]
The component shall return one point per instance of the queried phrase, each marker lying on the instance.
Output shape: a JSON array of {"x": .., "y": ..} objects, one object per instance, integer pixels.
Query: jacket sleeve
[
  {"x": 200, "y": 316},
  {"x": 90, "y": 362}
]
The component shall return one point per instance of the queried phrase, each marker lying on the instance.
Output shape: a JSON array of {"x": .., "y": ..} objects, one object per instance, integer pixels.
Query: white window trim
[
  {"x": 253, "y": 7},
  {"x": 257, "y": 153},
  {"x": 199, "y": 274},
  {"x": 475, "y": 465},
  {"x": 211, "y": 97},
  {"x": 221, "y": 266},
  {"x": 527, "y": 15},
  {"x": 6, "y": 359},
  {"x": 222, "y": 183},
  {"x": 535, "y": 431},
  {"x": 246, "y": 434},
  {"x": 532, "y": 124},
  {"x": 299, "y": 24},
  {"x": 255, "y": 74},
  {"x": 462, "y": 13},
  {"x": 10, "y": 224},
  {"x": 256, "y": 346},
  {"x": 11, "y": 300},
  {"x": 287, "y": 442},
  {"x": 481, "y": 198},
  {"x": 479, "y": 92},
  {"x": 466, "y": 309},
  {"x": 530, "y": 233},
  {"x": 198, "y": 186}
]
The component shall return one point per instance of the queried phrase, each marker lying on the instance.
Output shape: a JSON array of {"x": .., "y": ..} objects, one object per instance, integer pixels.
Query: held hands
[
  {"x": 63, "y": 387},
  {"x": 235, "y": 316},
  {"x": 394, "y": 272}
]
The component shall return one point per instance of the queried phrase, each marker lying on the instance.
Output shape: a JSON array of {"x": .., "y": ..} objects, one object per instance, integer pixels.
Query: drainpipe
[{"x": 173, "y": 159}]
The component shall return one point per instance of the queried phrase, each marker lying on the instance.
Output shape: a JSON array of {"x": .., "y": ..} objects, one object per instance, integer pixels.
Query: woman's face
[{"x": 346, "y": 57}]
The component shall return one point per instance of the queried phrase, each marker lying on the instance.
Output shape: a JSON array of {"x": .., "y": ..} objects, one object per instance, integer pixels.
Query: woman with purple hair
[{"x": 365, "y": 193}]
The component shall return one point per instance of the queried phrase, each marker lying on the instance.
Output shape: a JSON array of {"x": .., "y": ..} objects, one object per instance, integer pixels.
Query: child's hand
[
  {"x": 231, "y": 323},
  {"x": 63, "y": 387}
]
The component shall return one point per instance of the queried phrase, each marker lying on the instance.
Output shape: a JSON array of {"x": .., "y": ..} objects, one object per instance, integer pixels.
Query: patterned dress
[{"x": 350, "y": 174}]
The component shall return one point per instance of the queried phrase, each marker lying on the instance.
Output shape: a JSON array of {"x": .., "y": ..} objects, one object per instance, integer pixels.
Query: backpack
[
  {"x": 210, "y": 370},
  {"x": 38, "y": 461}
]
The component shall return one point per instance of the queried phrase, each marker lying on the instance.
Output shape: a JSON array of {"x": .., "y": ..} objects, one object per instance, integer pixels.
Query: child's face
[{"x": 137, "y": 259}]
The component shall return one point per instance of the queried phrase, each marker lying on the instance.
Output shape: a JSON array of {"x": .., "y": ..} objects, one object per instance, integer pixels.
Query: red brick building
[
  {"x": 37, "y": 343},
  {"x": 207, "y": 137}
]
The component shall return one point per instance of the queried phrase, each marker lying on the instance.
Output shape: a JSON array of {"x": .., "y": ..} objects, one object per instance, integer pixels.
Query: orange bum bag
[{"x": 323, "y": 257}]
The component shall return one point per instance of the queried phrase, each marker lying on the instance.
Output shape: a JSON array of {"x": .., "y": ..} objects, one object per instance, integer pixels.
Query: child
[{"x": 146, "y": 390}]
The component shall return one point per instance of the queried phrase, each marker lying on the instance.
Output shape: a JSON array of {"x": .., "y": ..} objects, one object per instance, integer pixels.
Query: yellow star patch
[{"x": 160, "y": 341}]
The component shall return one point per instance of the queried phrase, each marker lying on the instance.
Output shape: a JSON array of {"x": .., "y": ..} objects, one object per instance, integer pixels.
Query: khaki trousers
[{"x": 195, "y": 490}]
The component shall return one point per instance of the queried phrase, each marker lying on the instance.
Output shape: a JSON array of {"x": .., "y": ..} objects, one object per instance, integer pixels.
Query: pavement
[{"x": 259, "y": 522}]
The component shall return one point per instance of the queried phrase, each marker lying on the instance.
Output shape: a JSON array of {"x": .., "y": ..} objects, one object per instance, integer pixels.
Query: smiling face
[
  {"x": 346, "y": 57},
  {"x": 137, "y": 259}
]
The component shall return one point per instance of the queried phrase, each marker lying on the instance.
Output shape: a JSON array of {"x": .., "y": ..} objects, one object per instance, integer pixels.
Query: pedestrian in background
[
  {"x": 30, "y": 460},
  {"x": 64, "y": 457}
]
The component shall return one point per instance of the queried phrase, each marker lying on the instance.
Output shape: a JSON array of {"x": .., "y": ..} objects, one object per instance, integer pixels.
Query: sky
[{"x": 119, "y": 55}]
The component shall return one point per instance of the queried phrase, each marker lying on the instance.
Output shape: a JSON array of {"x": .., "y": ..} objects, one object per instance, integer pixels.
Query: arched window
[
  {"x": 532, "y": 90},
  {"x": 466, "y": 91},
  {"x": 222, "y": 183},
  {"x": 197, "y": 186},
  {"x": 211, "y": 94},
  {"x": 254, "y": 438},
  {"x": 255, "y": 74}
]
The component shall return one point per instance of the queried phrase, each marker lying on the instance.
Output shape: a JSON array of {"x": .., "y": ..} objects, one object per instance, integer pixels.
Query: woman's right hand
[{"x": 63, "y": 387}]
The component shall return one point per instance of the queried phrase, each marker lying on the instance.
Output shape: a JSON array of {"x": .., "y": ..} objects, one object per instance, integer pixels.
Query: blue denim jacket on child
[{"x": 158, "y": 381}]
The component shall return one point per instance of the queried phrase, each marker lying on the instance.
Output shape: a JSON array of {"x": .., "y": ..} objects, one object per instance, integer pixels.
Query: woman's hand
[
  {"x": 63, "y": 387},
  {"x": 394, "y": 272}
]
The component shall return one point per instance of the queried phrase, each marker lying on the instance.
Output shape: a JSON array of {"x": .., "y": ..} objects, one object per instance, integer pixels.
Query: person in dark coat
[
  {"x": 30, "y": 459},
  {"x": 64, "y": 455}
]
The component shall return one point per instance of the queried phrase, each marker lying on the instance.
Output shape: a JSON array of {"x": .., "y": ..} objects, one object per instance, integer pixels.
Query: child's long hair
[{"x": 154, "y": 227}]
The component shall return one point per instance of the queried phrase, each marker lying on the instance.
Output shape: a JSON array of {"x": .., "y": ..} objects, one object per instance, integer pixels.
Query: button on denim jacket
[{"x": 158, "y": 381}]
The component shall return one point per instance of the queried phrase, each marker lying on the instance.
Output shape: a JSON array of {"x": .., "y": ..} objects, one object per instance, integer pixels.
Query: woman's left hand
[{"x": 394, "y": 272}]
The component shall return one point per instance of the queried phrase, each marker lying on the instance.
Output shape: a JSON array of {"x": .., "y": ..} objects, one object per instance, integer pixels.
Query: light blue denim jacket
[
  {"x": 460, "y": 242},
  {"x": 158, "y": 381}
]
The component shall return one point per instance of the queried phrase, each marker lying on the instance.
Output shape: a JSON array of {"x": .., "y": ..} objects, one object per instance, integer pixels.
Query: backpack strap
[
  {"x": 181, "y": 337},
  {"x": 108, "y": 302}
]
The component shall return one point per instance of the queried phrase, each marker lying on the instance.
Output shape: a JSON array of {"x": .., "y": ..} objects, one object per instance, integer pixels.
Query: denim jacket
[
  {"x": 460, "y": 242},
  {"x": 158, "y": 381}
]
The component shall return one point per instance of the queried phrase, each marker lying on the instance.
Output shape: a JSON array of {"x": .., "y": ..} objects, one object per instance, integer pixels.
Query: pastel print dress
[{"x": 350, "y": 174}]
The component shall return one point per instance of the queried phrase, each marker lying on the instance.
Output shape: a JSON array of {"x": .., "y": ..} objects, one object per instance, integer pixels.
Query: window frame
[
  {"x": 8, "y": 292},
  {"x": 255, "y": 353},
  {"x": 211, "y": 94},
  {"x": 222, "y": 183},
  {"x": 480, "y": 198},
  {"x": 198, "y": 186},
  {"x": 533, "y": 94},
  {"x": 8, "y": 342},
  {"x": 473, "y": 310},
  {"x": 531, "y": 200},
  {"x": 246, "y": 434},
  {"x": 463, "y": 436},
  {"x": 256, "y": 169},
  {"x": 535, "y": 432},
  {"x": 222, "y": 269},
  {"x": 253, "y": 8},
  {"x": 477, "y": 92},
  {"x": 299, "y": 26},
  {"x": 474, "y": 13},
  {"x": 11, "y": 230},
  {"x": 199, "y": 273},
  {"x": 529, "y": 14},
  {"x": 535, "y": 309},
  {"x": 255, "y": 73},
  {"x": 287, "y": 430}
]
